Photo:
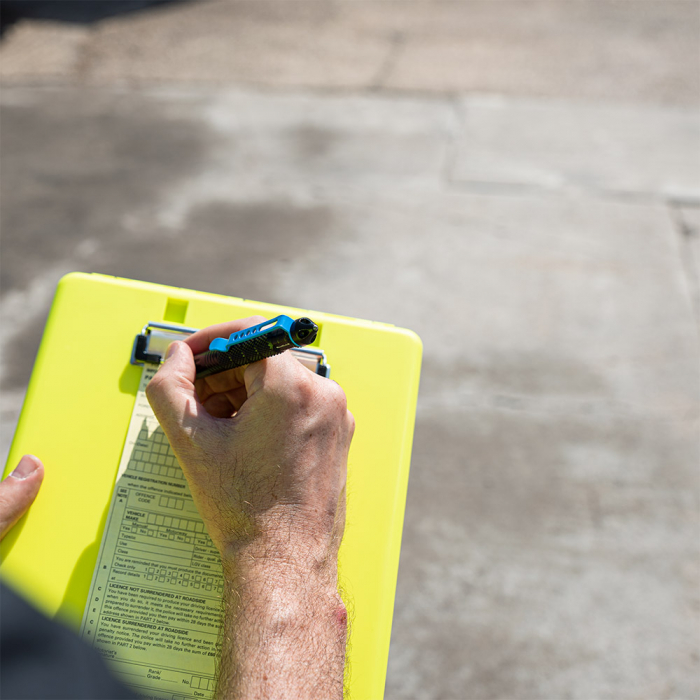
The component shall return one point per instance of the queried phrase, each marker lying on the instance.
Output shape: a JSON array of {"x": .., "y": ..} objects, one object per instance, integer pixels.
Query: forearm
[
  {"x": 284, "y": 631},
  {"x": 265, "y": 452}
]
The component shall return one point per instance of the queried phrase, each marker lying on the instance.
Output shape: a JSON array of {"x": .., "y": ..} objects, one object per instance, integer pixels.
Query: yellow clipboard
[{"x": 79, "y": 406}]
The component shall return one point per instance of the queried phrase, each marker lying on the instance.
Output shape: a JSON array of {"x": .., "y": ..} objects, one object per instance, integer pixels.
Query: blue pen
[{"x": 255, "y": 343}]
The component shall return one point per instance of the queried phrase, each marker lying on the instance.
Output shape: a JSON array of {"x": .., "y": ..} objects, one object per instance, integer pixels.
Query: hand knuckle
[
  {"x": 303, "y": 390},
  {"x": 337, "y": 397},
  {"x": 153, "y": 387},
  {"x": 350, "y": 422},
  {"x": 307, "y": 401},
  {"x": 5, "y": 503}
]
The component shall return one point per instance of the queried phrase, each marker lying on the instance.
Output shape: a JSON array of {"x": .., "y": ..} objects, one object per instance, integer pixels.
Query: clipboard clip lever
[{"x": 153, "y": 340}]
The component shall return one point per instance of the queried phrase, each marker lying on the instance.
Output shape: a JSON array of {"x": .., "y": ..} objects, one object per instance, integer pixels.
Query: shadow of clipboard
[{"x": 79, "y": 405}]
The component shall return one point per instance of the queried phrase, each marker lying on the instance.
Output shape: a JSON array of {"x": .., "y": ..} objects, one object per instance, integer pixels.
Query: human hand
[
  {"x": 264, "y": 449},
  {"x": 18, "y": 491}
]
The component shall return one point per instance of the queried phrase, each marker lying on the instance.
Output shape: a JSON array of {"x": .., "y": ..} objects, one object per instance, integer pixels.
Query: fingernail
[
  {"x": 26, "y": 467},
  {"x": 171, "y": 349}
]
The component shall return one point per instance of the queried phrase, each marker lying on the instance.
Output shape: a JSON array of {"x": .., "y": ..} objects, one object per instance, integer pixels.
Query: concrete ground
[{"x": 517, "y": 181}]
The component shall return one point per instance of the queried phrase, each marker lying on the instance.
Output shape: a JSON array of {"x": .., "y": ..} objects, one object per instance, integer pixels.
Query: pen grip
[{"x": 243, "y": 353}]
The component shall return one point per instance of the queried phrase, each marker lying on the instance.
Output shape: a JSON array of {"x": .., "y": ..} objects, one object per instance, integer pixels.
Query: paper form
[{"x": 154, "y": 607}]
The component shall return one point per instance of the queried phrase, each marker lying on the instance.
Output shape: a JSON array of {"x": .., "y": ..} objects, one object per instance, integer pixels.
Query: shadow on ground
[{"x": 72, "y": 11}]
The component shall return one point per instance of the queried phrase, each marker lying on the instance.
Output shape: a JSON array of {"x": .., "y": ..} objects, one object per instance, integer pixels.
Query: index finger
[{"x": 199, "y": 342}]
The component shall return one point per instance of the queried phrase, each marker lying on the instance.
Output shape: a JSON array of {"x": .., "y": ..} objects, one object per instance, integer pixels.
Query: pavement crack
[
  {"x": 451, "y": 145},
  {"x": 396, "y": 43},
  {"x": 86, "y": 56},
  {"x": 685, "y": 239}
]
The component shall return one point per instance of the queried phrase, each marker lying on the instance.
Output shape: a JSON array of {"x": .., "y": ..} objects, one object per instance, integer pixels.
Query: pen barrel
[{"x": 242, "y": 353}]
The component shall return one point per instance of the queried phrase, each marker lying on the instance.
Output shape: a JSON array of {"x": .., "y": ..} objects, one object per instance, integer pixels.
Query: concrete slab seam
[
  {"x": 684, "y": 233},
  {"x": 396, "y": 43}
]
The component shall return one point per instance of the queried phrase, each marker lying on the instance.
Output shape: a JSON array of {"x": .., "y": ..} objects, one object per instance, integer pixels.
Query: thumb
[
  {"x": 18, "y": 491},
  {"x": 171, "y": 392}
]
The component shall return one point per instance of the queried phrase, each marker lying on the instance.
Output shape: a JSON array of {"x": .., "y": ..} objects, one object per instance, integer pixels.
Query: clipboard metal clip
[{"x": 153, "y": 340}]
